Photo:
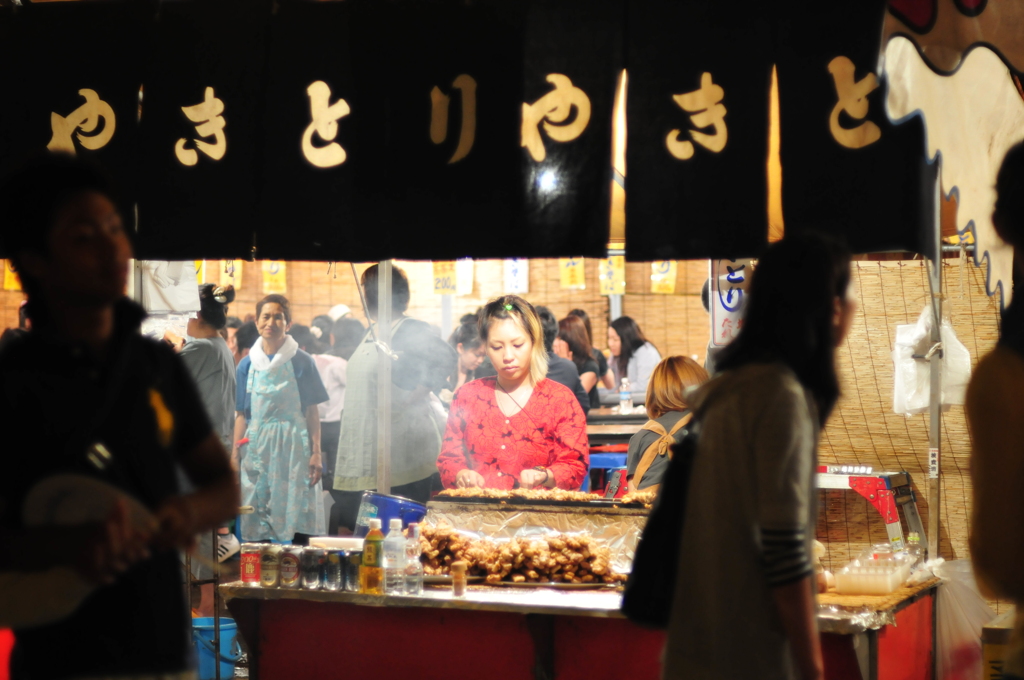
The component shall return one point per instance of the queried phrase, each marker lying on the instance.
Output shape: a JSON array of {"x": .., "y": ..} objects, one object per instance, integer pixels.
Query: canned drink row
[{"x": 270, "y": 565}]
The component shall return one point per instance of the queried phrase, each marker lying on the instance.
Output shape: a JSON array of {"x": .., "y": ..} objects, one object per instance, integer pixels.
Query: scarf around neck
[{"x": 260, "y": 360}]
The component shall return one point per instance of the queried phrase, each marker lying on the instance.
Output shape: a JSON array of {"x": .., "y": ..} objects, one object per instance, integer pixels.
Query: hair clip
[
  {"x": 508, "y": 308},
  {"x": 218, "y": 294}
]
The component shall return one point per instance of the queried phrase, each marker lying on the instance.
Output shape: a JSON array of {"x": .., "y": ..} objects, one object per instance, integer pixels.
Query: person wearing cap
[
  {"x": 338, "y": 312},
  {"x": 518, "y": 428}
]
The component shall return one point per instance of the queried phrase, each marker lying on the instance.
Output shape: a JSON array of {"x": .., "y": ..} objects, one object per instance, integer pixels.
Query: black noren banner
[
  {"x": 74, "y": 86},
  {"x": 200, "y": 132},
  {"x": 847, "y": 169},
  {"x": 697, "y": 113}
]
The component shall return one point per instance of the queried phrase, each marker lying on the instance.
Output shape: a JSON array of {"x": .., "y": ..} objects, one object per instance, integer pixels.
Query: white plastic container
[{"x": 872, "y": 577}]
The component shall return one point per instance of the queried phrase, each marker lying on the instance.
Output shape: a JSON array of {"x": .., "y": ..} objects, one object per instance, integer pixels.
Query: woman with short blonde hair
[
  {"x": 669, "y": 413},
  {"x": 669, "y": 382},
  {"x": 517, "y": 427}
]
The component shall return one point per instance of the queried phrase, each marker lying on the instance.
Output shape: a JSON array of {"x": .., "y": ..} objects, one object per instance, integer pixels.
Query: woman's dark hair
[
  {"x": 233, "y": 322},
  {"x": 582, "y": 315},
  {"x": 1009, "y": 206},
  {"x": 213, "y": 304},
  {"x": 572, "y": 331},
  {"x": 278, "y": 300},
  {"x": 348, "y": 333},
  {"x": 468, "y": 335},
  {"x": 305, "y": 339},
  {"x": 246, "y": 335},
  {"x": 324, "y": 324},
  {"x": 788, "y": 316},
  {"x": 632, "y": 339},
  {"x": 399, "y": 290}
]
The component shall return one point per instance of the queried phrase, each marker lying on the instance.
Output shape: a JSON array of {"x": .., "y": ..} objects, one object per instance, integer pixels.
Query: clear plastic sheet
[
  {"x": 619, "y": 530},
  {"x": 833, "y": 619}
]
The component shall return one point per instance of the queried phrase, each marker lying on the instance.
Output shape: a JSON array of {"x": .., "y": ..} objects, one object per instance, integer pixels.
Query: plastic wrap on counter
[
  {"x": 832, "y": 619},
  {"x": 619, "y": 532}
]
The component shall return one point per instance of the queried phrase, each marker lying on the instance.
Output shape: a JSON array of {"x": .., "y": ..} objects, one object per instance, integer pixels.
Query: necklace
[{"x": 509, "y": 395}]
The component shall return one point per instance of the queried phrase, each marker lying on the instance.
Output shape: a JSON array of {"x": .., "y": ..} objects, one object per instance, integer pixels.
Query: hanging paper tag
[
  {"x": 663, "y": 277},
  {"x": 275, "y": 279},
  {"x": 571, "y": 273},
  {"x": 444, "y": 278},
  {"x": 612, "y": 275}
]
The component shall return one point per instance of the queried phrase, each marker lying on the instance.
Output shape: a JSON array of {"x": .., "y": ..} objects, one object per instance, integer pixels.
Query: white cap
[
  {"x": 338, "y": 311},
  {"x": 375, "y": 523},
  {"x": 396, "y": 523}
]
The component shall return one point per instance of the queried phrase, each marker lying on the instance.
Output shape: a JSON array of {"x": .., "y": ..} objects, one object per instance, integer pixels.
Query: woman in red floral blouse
[{"x": 517, "y": 428}]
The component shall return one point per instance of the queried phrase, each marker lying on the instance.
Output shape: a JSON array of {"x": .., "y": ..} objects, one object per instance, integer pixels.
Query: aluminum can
[
  {"x": 314, "y": 566},
  {"x": 249, "y": 564},
  {"x": 270, "y": 565},
  {"x": 355, "y": 561},
  {"x": 334, "y": 574},
  {"x": 291, "y": 567}
]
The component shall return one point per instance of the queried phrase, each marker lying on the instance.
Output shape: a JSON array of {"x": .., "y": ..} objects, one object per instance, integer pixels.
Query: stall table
[{"x": 520, "y": 633}]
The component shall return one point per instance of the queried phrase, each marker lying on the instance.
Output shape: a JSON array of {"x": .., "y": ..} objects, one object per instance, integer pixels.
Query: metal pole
[
  {"x": 935, "y": 394},
  {"x": 447, "y": 324},
  {"x": 614, "y": 306},
  {"x": 384, "y": 378}
]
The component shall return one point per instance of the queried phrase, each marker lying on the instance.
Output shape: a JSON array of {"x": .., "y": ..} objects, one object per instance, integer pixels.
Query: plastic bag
[
  {"x": 912, "y": 377},
  {"x": 961, "y": 614}
]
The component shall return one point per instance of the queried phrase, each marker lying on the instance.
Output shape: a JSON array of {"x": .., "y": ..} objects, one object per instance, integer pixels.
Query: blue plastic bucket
[
  {"x": 230, "y": 650},
  {"x": 385, "y": 508}
]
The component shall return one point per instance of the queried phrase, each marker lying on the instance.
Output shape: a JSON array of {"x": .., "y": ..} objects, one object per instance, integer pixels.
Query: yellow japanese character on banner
[
  {"x": 210, "y": 124},
  {"x": 553, "y": 110},
  {"x": 571, "y": 273},
  {"x": 853, "y": 98},
  {"x": 275, "y": 279},
  {"x": 444, "y": 278},
  {"x": 11, "y": 279},
  {"x": 706, "y": 105},
  {"x": 663, "y": 277},
  {"x": 613, "y": 275},
  {"x": 85, "y": 119},
  {"x": 325, "y": 117},
  {"x": 466, "y": 86}
]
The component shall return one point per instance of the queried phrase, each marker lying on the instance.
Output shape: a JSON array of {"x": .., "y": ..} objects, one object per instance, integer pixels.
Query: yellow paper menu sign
[
  {"x": 571, "y": 273},
  {"x": 612, "y": 275},
  {"x": 444, "y": 278},
  {"x": 200, "y": 272},
  {"x": 663, "y": 277},
  {"x": 11, "y": 280},
  {"x": 275, "y": 279},
  {"x": 230, "y": 272}
]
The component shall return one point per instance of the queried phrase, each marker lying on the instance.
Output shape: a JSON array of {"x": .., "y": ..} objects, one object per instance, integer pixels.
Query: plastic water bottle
[
  {"x": 413, "y": 566},
  {"x": 394, "y": 559},
  {"x": 625, "y": 397}
]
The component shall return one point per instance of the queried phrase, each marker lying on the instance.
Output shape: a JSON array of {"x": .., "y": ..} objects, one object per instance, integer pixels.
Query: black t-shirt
[
  {"x": 590, "y": 366},
  {"x": 55, "y": 395},
  {"x": 564, "y": 371}
]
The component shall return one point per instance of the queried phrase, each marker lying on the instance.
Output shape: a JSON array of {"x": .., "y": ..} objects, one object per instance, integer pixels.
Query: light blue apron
[{"x": 275, "y": 465}]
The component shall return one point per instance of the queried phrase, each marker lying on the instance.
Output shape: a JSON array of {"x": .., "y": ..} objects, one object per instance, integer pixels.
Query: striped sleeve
[{"x": 785, "y": 556}]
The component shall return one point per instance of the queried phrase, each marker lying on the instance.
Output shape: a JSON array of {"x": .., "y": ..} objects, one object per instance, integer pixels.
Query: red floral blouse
[{"x": 551, "y": 431}]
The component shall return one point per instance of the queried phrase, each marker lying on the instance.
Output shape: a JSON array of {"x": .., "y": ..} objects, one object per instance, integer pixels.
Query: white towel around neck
[{"x": 260, "y": 360}]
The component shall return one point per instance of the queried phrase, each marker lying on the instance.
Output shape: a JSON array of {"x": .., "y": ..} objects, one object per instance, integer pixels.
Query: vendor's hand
[
  {"x": 177, "y": 524},
  {"x": 530, "y": 478},
  {"x": 316, "y": 469},
  {"x": 469, "y": 478},
  {"x": 174, "y": 340},
  {"x": 111, "y": 547}
]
